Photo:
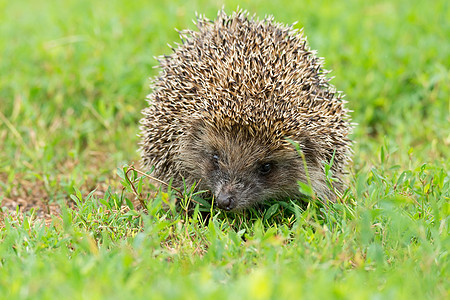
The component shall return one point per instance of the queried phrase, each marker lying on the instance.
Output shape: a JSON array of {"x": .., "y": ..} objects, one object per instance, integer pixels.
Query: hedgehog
[{"x": 243, "y": 108}]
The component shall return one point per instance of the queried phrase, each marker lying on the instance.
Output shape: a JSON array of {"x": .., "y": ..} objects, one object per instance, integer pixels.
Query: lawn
[{"x": 73, "y": 79}]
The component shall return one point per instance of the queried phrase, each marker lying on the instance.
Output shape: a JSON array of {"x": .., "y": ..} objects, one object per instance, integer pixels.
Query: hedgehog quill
[{"x": 227, "y": 105}]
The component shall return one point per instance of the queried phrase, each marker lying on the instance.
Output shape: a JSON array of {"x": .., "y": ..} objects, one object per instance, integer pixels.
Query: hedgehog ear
[
  {"x": 196, "y": 129},
  {"x": 309, "y": 149},
  {"x": 196, "y": 125}
]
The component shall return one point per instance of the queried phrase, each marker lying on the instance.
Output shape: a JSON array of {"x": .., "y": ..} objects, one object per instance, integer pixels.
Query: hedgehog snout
[
  {"x": 232, "y": 194},
  {"x": 226, "y": 201},
  {"x": 225, "y": 195}
]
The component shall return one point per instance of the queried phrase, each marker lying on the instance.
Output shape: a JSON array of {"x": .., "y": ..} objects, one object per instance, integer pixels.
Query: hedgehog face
[
  {"x": 239, "y": 169},
  {"x": 239, "y": 181}
]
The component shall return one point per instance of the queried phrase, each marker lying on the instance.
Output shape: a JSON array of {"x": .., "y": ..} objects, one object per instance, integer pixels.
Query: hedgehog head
[
  {"x": 242, "y": 166},
  {"x": 239, "y": 168}
]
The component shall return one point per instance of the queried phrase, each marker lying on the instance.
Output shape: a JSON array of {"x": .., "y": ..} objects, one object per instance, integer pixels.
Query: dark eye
[
  {"x": 265, "y": 168},
  {"x": 215, "y": 160}
]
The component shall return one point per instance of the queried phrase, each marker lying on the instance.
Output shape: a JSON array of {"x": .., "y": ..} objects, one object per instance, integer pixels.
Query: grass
[{"x": 73, "y": 79}]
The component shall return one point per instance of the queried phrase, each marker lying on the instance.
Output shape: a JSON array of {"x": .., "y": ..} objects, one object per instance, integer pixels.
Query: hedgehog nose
[{"x": 225, "y": 201}]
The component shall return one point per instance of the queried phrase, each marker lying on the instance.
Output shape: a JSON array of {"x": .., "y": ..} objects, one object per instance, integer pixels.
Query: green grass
[{"x": 73, "y": 79}]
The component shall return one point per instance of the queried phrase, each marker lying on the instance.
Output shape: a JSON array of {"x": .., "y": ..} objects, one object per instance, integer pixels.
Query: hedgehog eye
[
  {"x": 265, "y": 168},
  {"x": 215, "y": 160}
]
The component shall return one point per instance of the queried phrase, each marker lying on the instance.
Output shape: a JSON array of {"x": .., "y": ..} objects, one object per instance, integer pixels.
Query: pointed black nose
[{"x": 226, "y": 201}]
